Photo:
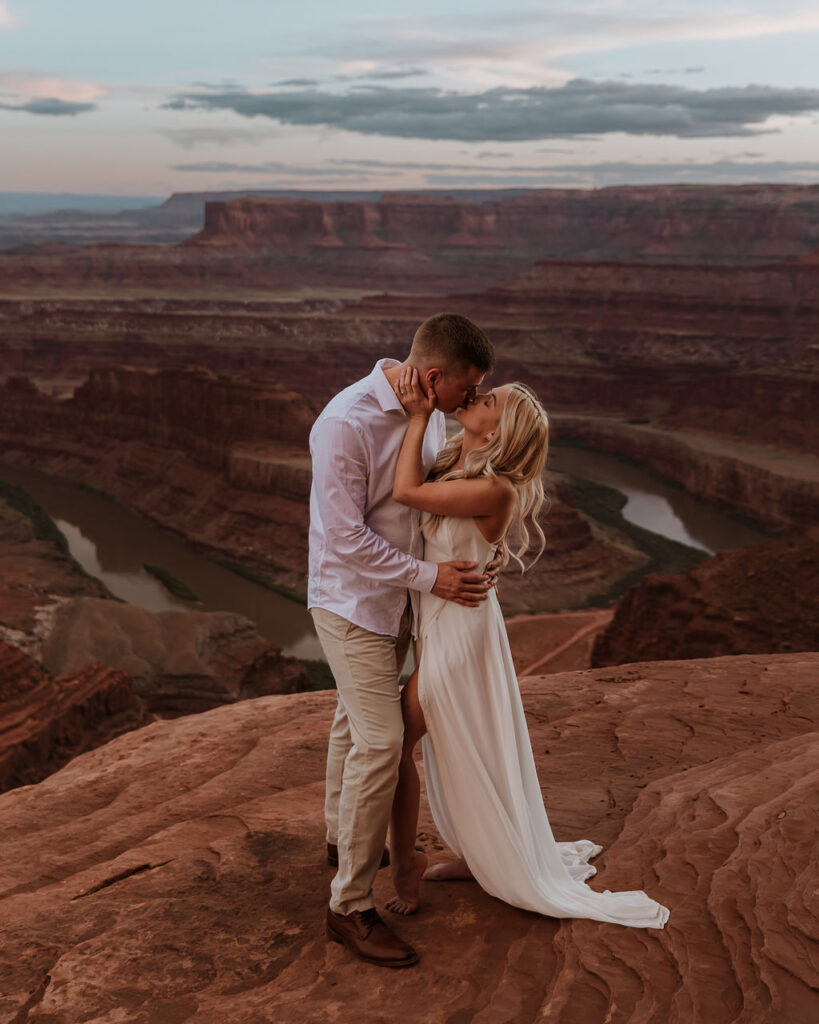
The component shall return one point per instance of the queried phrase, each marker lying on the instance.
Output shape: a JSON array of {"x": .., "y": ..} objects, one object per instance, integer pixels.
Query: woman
[{"x": 463, "y": 699}]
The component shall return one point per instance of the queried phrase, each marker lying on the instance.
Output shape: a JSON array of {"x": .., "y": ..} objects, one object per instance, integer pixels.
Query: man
[{"x": 364, "y": 551}]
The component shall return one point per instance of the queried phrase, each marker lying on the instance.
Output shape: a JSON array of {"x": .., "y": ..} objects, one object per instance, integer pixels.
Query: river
[
  {"x": 658, "y": 505},
  {"x": 112, "y": 543}
]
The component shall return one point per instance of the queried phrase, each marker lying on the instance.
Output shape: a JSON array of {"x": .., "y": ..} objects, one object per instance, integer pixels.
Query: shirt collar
[{"x": 387, "y": 398}]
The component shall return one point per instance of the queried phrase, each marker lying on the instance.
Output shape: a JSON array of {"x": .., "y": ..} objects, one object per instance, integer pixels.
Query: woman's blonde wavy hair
[{"x": 516, "y": 450}]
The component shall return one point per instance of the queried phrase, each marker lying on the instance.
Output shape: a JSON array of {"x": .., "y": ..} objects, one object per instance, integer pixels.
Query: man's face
[{"x": 455, "y": 389}]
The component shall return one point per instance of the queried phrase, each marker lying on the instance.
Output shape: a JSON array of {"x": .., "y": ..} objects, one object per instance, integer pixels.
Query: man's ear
[{"x": 432, "y": 376}]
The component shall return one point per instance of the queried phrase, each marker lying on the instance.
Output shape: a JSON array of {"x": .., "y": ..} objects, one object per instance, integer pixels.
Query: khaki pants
[{"x": 364, "y": 750}]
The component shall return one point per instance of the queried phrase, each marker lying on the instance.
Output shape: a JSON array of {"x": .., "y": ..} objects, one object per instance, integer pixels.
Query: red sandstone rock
[
  {"x": 177, "y": 873},
  {"x": 542, "y": 644},
  {"x": 179, "y": 661},
  {"x": 651, "y": 221},
  {"x": 46, "y": 720},
  {"x": 755, "y": 600},
  {"x": 683, "y": 221}
]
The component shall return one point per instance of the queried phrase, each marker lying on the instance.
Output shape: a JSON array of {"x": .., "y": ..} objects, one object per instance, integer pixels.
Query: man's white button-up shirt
[{"x": 364, "y": 546}]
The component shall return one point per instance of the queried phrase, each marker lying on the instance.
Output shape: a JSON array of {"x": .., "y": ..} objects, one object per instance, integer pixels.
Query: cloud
[
  {"x": 188, "y": 138},
  {"x": 411, "y": 165},
  {"x": 272, "y": 167},
  {"x": 226, "y": 83},
  {"x": 528, "y": 43},
  {"x": 616, "y": 171},
  {"x": 574, "y": 175},
  {"x": 601, "y": 175},
  {"x": 673, "y": 71},
  {"x": 580, "y": 107},
  {"x": 386, "y": 74},
  {"x": 50, "y": 107},
  {"x": 305, "y": 83}
]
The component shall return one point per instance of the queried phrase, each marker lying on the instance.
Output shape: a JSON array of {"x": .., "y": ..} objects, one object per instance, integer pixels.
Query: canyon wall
[
  {"x": 728, "y": 353},
  {"x": 733, "y": 349},
  {"x": 431, "y": 243},
  {"x": 143, "y": 454},
  {"x": 226, "y": 464},
  {"x": 772, "y": 486},
  {"x": 737, "y": 224},
  {"x": 194, "y": 410},
  {"x": 46, "y": 720}
]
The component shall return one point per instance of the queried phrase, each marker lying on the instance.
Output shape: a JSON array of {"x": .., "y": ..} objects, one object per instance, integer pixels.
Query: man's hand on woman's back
[{"x": 456, "y": 582}]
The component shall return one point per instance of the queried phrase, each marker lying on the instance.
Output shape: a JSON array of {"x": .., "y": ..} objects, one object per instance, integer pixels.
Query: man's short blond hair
[{"x": 453, "y": 342}]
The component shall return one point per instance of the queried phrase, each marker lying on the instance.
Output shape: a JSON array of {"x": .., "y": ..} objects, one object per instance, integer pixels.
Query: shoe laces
[{"x": 369, "y": 917}]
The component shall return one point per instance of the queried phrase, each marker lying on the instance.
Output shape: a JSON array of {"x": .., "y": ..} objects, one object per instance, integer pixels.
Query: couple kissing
[{"x": 407, "y": 533}]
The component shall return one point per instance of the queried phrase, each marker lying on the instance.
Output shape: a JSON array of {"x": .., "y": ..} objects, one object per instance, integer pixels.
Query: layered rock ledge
[{"x": 177, "y": 874}]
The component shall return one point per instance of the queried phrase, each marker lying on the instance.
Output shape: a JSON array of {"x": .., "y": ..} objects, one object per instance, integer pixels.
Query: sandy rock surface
[{"x": 176, "y": 874}]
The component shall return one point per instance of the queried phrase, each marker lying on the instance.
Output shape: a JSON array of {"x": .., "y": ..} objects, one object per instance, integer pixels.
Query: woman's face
[{"x": 482, "y": 416}]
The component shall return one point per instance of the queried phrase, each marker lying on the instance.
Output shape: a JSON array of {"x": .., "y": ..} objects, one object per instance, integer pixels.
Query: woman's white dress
[{"x": 480, "y": 773}]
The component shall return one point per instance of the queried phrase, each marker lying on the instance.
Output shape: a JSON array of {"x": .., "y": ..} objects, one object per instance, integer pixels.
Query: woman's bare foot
[
  {"x": 447, "y": 871},
  {"x": 407, "y": 882}
]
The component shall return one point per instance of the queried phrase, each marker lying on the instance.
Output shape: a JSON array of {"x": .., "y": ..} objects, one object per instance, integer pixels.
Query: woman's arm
[{"x": 480, "y": 496}]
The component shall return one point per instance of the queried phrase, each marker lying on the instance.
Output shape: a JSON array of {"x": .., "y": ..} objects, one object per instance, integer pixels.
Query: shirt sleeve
[{"x": 340, "y": 471}]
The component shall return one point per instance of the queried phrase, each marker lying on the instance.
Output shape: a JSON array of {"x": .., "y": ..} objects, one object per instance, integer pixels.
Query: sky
[{"x": 152, "y": 98}]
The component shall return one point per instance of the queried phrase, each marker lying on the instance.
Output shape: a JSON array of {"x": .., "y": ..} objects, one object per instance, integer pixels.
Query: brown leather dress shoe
[
  {"x": 332, "y": 856},
  {"x": 365, "y": 934}
]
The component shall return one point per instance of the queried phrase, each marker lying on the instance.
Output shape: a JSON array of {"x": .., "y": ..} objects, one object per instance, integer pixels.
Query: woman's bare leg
[{"x": 407, "y": 863}]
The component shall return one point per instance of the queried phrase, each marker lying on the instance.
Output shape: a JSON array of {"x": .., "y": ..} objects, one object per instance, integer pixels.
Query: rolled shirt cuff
[{"x": 426, "y": 577}]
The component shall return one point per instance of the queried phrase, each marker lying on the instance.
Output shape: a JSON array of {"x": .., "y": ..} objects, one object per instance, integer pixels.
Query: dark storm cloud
[
  {"x": 580, "y": 107},
  {"x": 50, "y": 107}
]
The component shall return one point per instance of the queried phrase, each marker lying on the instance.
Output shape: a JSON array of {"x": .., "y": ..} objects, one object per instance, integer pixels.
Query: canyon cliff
[
  {"x": 427, "y": 242},
  {"x": 735, "y": 224}
]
